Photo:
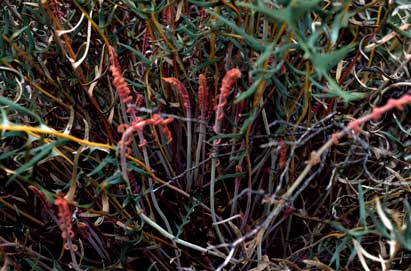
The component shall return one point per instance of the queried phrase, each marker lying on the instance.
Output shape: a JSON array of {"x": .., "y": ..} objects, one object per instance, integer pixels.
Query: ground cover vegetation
[{"x": 205, "y": 135}]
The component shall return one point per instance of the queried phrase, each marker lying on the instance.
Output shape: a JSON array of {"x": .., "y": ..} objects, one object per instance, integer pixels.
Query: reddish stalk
[
  {"x": 228, "y": 81},
  {"x": 187, "y": 105},
  {"x": 67, "y": 234},
  {"x": 137, "y": 124},
  {"x": 352, "y": 126},
  {"x": 203, "y": 106}
]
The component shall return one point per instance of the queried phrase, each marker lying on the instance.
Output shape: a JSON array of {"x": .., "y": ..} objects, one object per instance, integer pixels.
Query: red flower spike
[
  {"x": 282, "y": 155},
  {"x": 139, "y": 100},
  {"x": 64, "y": 220},
  {"x": 155, "y": 120},
  {"x": 230, "y": 77},
  {"x": 354, "y": 125},
  {"x": 181, "y": 90},
  {"x": 377, "y": 113},
  {"x": 202, "y": 93},
  {"x": 167, "y": 133},
  {"x": 122, "y": 127},
  {"x": 119, "y": 83},
  {"x": 228, "y": 80},
  {"x": 142, "y": 144},
  {"x": 395, "y": 103},
  {"x": 113, "y": 57},
  {"x": 166, "y": 15},
  {"x": 335, "y": 140},
  {"x": 167, "y": 121}
]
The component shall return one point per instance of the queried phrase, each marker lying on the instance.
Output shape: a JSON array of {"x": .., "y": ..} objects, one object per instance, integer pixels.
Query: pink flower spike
[
  {"x": 167, "y": 121},
  {"x": 181, "y": 90},
  {"x": 377, "y": 113},
  {"x": 398, "y": 104},
  {"x": 335, "y": 140},
  {"x": 354, "y": 125},
  {"x": 122, "y": 127},
  {"x": 64, "y": 219},
  {"x": 202, "y": 93},
  {"x": 142, "y": 144},
  {"x": 119, "y": 83},
  {"x": 230, "y": 77},
  {"x": 167, "y": 133}
]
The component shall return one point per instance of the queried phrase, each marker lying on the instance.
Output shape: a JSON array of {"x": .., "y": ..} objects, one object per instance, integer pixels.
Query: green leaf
[
  {"x": 406, "y": 34},
  {"x": 137, "y": 53},
  {"x": 378, "y": 225},
  {"x": 340, "y": 21},
  {"x": 231, "y": 176},
  {"x": 248, "y": 122},
  {"x": 407, "y": 231},
  {"x": 49, "y": 196},
  {"x": 17, "y": 107},
  {"x": 18, "y": 32},
  {"x": 44, "y": 151},
  {"x": 324, "y": 62},
  {"x": 112, "y": 180},
  {"x": 132, "y": 6},
  {"x": 136, "y": 168},
  {"x": 240, "y": 156},
  {"x": 9, "y": 153},
  {"x": 265, "y": 55},
  {"x": 336, "y": 256},
  {"x": 106, "y": 161},
  {"x": 6, "y": 59},
  {"x": 203, "y": 3},
  {"x": 250, "y": 40},
  {"x": 186, "y": 218},
  {"x": 250, "y": 91},
  {"x": 295, "y": 10},
  {"x": 134, "y": 84},
  {"x": 334, "y": 90}
]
